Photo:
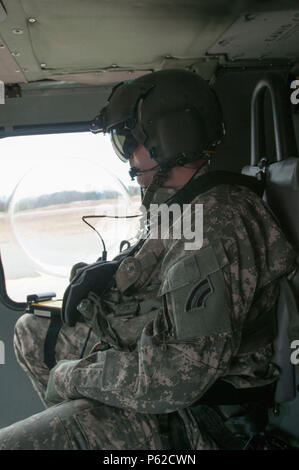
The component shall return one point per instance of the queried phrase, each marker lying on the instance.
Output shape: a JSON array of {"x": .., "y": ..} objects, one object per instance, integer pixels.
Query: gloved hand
[
  {"x": 75, "y": 269},
  {"x": 96, "y": 277},
  {"x": 51, "y": 393}
]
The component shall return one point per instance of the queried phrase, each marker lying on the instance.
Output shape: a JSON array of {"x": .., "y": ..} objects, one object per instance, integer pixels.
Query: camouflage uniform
[{"x": 165, "y": 355}]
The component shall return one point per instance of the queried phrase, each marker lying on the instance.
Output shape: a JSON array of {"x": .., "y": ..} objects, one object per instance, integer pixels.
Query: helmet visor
[{"x": 123, "y": 143}]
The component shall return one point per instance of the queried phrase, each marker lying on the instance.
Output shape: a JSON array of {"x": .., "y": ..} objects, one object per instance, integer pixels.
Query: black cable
[{"x": 104, "y": 253}]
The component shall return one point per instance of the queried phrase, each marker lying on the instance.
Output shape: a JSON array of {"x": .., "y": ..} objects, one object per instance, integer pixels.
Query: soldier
[{"x": 182, "y": 341}]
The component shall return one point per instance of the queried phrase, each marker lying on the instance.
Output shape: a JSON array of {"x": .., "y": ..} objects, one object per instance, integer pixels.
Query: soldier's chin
[{"x": 143, "y": 181}]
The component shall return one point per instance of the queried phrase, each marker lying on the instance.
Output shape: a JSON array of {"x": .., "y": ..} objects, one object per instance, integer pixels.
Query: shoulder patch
[
  {"x": 196, "y": 294},
  {"x": 199, "y": 294}
]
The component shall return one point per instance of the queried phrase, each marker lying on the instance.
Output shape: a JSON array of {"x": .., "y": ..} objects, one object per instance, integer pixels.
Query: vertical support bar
[{"x": 285, "y": 141}]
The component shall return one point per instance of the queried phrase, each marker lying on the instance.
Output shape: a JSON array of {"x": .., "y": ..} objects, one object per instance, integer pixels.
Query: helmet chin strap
[
  {"x": 156, "y": 183},
  {"x": 159, "y": 180}
]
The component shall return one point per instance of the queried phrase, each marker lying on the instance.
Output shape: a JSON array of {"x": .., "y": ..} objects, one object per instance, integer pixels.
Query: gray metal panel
[
  {"x": 3, "y": 13},
  {"x": 261, "y": 35},
  {"x": 46, "y": 40},
  {"x": 10, "y": 71},
  {"x": 74, "y": 37},
  {"x": 100, "y": 34},
  {"x": 18, "y": 400},
  {"x": 46, "y": 104},
  {"x": 101, "y": 78},
  {"x": 15, "y": 34}
]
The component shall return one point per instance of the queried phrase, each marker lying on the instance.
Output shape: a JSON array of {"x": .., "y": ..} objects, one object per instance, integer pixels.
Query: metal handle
[{"x": 285, "y": 141}]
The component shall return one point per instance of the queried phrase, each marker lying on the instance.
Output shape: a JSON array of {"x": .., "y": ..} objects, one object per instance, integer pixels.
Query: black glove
[
  {"x": 75, "y": 270},
  {"x": 96, "y": 277}
]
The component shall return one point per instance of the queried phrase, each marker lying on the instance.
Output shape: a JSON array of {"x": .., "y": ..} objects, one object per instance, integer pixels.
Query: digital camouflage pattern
[
  {"x": 30, "y": 334},
  {"x": 82, "y": 425},
  {"x": 166, "y": 353}
]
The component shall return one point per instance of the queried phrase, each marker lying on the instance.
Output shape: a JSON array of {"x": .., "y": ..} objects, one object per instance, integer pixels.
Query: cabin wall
[
  {"x": 234, "y": 89},
  {"x": 18, "y": 400}
]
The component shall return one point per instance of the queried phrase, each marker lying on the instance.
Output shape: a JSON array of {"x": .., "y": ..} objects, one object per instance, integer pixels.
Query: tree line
[{"x": 63, "y": 197}]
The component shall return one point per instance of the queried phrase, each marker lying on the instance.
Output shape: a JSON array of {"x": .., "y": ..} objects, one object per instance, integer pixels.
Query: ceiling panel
[
  {"x": 266, "y": 35},
  {"x": 76, "y": 40}
]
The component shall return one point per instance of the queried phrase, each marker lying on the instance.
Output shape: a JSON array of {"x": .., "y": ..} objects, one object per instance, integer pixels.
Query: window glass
[{"x": 47, "y": 184}]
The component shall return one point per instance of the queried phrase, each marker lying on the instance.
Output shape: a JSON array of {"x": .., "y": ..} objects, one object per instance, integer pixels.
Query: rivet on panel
[
  {"x": 32, "y": 20},
  {"x": 43, "y": 66},
  {"x": 17, "y": 31},
  {"x": 2, "y": 46}
]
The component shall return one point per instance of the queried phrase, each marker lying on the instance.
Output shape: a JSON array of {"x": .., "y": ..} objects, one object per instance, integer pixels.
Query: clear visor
[{"x": 123, "y": 143}]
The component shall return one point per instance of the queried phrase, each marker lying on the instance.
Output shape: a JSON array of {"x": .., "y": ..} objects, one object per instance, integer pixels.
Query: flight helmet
[{"x": 174, "y": 113}]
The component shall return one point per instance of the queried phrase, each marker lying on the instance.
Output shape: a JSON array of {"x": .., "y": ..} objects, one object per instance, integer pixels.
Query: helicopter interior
[{"x": 59, "y": 61}]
